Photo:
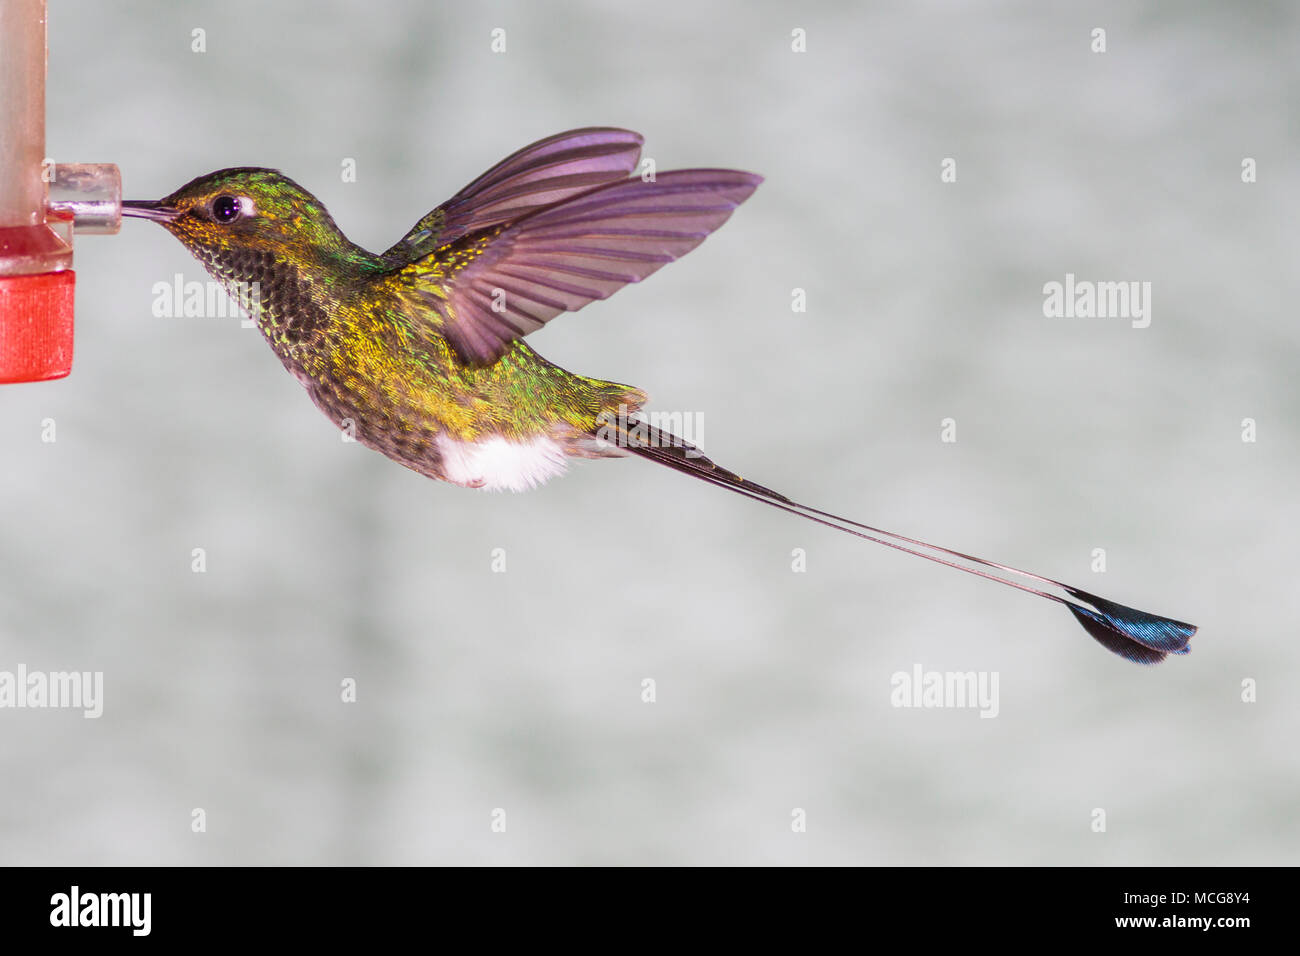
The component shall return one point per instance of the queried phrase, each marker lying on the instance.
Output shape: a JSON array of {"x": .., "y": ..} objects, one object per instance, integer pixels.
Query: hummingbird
[{"x": 420, "y": 351}]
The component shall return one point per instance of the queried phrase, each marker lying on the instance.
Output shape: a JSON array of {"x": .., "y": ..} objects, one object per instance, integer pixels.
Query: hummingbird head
[{"x": 232, "y": 218}]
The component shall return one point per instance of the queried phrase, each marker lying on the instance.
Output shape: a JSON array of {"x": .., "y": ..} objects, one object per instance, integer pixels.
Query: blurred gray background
[{"x": 522, "y": 690}]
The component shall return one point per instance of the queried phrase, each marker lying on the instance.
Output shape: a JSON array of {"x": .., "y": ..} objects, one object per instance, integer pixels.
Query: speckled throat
[{"x": 279, "y": 297}]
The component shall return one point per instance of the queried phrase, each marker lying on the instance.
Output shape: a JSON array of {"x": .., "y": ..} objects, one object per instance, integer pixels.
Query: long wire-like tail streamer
[{"x": 1136, "y": 635}]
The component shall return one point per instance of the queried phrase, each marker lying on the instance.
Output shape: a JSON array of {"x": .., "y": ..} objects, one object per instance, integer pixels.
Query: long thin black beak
[{"x": 149, "y": 209}]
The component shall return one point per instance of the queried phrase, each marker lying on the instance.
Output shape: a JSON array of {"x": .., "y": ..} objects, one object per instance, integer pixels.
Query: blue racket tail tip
[{"x": 1138, "y": 636}]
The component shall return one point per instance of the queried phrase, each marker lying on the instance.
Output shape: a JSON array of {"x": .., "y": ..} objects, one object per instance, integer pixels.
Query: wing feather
[
  {"x": 543, "y": 174},
  {"x": 560, "y": 258}
]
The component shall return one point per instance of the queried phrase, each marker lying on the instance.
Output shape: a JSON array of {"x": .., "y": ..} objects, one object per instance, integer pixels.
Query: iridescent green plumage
[
  {"x": 356, "y": 329},
  {"x": 418, "y": 351}
]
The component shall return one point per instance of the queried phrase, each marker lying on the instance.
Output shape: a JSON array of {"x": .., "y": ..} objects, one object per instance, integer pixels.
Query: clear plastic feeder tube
[
  {"x": 22, "y": 112},
  {"x": 89, "y": 194}
]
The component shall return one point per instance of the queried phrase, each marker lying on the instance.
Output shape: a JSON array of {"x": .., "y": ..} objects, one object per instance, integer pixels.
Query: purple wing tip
[
  {"x": 702, "y": 179},
  {"x": 738, "y": 177},
  {"x": 617, "y": 132}
]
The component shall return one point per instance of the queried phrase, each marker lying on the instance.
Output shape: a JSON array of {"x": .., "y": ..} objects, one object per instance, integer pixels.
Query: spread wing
[
  {"x": 543, "y": 174},
  {"x": 492, "y": 287}
]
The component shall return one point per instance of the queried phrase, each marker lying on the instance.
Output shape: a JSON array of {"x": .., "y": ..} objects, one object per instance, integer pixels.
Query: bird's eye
[{"x": 226, "y": 209}]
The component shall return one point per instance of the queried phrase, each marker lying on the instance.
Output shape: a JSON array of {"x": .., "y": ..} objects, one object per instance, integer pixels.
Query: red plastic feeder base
[{"x": 36, "y": 326}]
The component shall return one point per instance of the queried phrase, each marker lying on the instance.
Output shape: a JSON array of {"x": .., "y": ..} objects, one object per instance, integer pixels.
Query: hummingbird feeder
[{"x": 42, "y": 205}]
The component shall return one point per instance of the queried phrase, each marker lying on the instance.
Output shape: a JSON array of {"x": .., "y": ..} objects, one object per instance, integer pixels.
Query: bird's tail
[{"x": 1136, "y": 635}]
